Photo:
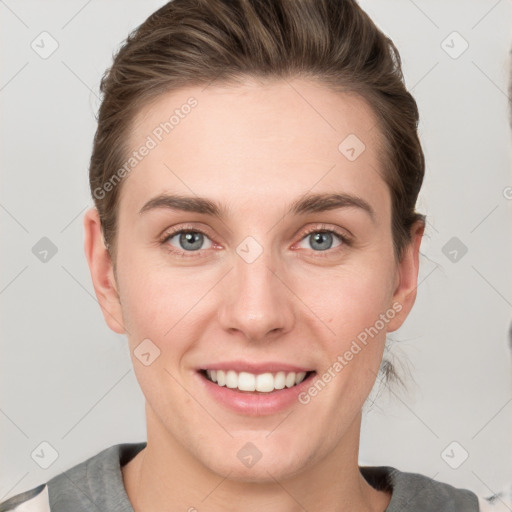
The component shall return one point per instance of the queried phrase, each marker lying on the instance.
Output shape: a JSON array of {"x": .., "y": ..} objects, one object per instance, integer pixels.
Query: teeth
[{"x": 264, "y": 382}]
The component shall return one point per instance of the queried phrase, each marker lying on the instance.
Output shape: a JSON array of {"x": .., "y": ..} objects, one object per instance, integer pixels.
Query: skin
[{"x": 253, "y": 148}]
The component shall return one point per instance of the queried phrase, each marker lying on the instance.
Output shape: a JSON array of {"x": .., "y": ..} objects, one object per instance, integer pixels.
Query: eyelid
[{"x": 344, "y": 234}]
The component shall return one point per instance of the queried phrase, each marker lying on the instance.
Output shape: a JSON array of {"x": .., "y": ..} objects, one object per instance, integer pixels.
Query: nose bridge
[{"x": 256, "y": 302}]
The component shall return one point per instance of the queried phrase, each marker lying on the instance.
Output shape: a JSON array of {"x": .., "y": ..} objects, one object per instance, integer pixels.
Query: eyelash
[{"x": 346, "y": 241}]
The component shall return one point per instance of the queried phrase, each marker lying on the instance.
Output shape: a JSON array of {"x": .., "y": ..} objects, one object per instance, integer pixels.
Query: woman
[{"x": 255, "y": 172}]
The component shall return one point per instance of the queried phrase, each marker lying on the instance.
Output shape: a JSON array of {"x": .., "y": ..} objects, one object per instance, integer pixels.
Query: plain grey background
[{"x": 67, "y": 380}]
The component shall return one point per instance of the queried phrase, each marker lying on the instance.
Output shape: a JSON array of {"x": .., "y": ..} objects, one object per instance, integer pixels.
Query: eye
[
  {"x": 322, "y": 239},
  {"x": 186, "y": 240}
]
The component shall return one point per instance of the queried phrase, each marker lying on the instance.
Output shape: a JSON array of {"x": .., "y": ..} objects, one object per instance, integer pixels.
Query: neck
[{"x": 165, "y": 473}]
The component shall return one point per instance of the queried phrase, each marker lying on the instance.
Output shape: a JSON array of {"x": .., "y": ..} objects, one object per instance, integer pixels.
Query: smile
[
  {"x": 250, "y": 382},
  {"x": 254, "y": 388}
]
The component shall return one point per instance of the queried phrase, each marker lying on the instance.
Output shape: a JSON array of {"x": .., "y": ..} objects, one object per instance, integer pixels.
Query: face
[{"x": 271, "y": 280}]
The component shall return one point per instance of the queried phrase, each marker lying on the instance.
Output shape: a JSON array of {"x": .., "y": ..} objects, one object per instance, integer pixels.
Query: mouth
[{"x": 256, "y": 384}]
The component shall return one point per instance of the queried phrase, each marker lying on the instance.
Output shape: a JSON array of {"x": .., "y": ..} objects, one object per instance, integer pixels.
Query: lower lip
[{"x": 255, "y": 404}]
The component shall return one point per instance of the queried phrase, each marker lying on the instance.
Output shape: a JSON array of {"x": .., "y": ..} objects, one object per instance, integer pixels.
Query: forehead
[{"x": 255, "y": 142}]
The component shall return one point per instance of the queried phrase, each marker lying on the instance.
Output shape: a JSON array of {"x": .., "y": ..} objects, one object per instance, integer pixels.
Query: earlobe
[
  {"x": 407, "y": 277},
  {"x": 102, "y": 272}
]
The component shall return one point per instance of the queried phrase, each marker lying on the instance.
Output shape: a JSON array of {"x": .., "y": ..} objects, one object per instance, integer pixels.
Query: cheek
[
  {"x": 158, "y": 306},
  {"x": 354, "y": 306},
  {"x": 159, "y": 301},
  {"x": 350, "y": 299},
  {"x": 155, "y": 306}
]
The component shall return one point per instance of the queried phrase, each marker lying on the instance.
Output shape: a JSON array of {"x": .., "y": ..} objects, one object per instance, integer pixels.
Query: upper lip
[{"x": 256, "y": 368}]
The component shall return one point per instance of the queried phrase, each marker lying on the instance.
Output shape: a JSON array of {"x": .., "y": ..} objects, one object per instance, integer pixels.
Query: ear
[
  {"x": 406, "y": 281},
  {"x": 102, "y": 271}
]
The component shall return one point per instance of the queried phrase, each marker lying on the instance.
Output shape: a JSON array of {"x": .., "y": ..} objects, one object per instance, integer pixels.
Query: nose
[{"x": 256, "y": 301}]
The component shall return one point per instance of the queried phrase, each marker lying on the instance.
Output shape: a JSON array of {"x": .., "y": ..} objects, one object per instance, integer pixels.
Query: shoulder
[
  {"x": 414, "y": 491},
  {"x": 92, "y": 485}
]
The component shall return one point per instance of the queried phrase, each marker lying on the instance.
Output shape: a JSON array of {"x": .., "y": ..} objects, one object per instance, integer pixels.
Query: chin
[
  {"x": 262, "y": 465},
  {"x": 260, "y": 473}
]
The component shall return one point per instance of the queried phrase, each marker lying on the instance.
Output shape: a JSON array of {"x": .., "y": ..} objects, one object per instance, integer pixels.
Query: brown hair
[{"x": 193, "y": 42}]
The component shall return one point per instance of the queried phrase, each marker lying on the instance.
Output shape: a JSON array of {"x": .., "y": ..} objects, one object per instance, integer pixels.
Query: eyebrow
[{"x": 310, "y": 203}]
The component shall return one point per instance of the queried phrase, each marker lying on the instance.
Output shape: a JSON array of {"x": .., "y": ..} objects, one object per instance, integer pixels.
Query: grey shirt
[{"x": 96, "y": 485}]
